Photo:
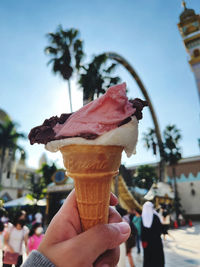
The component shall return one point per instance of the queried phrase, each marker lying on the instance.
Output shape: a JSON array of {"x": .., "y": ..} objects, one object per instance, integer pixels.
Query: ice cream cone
[{"x": 92, "y": 167}]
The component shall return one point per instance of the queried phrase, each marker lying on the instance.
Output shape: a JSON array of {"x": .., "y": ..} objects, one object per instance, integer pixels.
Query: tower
[{"x": 189, "y": 27}]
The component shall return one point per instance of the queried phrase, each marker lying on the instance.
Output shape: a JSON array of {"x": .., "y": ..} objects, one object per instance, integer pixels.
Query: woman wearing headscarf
[{"x": 151, "y": 240}]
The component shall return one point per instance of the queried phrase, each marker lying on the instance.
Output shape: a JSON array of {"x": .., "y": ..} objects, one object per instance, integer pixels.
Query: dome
[
  {"x": 3, "y": 116},
  {"x": 187, "y": 14}
]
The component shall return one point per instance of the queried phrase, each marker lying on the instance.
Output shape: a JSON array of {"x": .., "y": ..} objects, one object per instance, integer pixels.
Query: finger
[
  {"x": 113, "y": 199},
  {"x": 93, "y": 243},
  {"x": 110, "y": 258},
  {"x": 66, "y": 223},
  {"x": 114, "y": 216}
]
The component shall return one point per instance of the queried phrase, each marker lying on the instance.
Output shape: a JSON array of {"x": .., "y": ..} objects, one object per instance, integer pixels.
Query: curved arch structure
[{"x": 135, "y": 76}]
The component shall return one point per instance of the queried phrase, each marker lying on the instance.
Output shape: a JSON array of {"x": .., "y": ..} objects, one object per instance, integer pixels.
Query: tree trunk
[
  {"x": 176, "y": 200},
  {"x": 70, "y": 97},
  {"x": 2, "y": 163}
]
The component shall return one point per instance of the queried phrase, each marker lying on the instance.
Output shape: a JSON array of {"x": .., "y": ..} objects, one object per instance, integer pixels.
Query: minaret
[{"x": 189, "y": 27}]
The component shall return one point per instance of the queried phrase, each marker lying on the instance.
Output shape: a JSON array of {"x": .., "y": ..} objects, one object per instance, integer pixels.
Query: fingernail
[
  {"x": 124, "y": 227},
  {"x": 105, "y": 265}
]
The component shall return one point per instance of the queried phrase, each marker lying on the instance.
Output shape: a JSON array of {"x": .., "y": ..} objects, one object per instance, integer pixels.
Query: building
[
  {"x": 189, "y": 27},
  {"x": 16, "y": 183},
  {"x": 16, "y": 175},
  {"x": 188, "y": 183}
]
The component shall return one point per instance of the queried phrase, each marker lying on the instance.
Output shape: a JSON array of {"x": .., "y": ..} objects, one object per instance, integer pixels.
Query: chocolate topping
[{"x": 44, "y": 133}]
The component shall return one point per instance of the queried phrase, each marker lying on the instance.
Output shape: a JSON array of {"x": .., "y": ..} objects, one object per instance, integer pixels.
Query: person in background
[
  {"x": 4, "y": 216},
  {"x": 38, "y": 217},
  {"x": 166, "y": 223},
  {"x": 151, "y": 237},
  {"x": 15, "y": 235},
  {"x": 130, "y": 243},
  {"x": 35, "y": 236},
  {"x": 30, "y": 218},
  {"x": 137, "y": 222},
  {"x": 1, "y": 235},
  {"x": 64, "y": 243}
]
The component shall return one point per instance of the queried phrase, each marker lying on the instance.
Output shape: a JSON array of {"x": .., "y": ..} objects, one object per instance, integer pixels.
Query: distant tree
[
  {"x": 40, "y": 180},
  {"x": 172, "y": 150},
  {"x": 172, "y": 154},
  {"x": 154, "y": 143},
  {"x": 126, "y": 174},
  {"x": 47, "y": 171},
  {"x": 96, "y": 77},
  {"x": 37, "y": 187},
  {"x": 66, "y": 51},
  {"x": 8, "y": 142},
  {"x": 145, "y": 176},
  {"x": 150, "y": 140}
]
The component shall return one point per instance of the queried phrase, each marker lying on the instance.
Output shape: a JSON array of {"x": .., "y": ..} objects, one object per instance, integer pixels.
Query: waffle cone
[{"x": 92, "y": 167}]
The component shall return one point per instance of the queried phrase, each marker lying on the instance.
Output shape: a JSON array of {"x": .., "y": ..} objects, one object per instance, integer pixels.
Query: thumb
[{"x": 92, "y": 243}]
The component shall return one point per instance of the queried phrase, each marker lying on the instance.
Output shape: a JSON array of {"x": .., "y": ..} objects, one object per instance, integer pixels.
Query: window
[{"x": 196, "y": 53}]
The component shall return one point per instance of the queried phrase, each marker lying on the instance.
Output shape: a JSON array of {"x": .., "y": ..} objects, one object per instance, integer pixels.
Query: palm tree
[
  {"x": 151, "y": 142},
  {"x": 172, "y": 154},
  {"x": 47, "y": 171},
  {"x": 66, "y": 51},
  {"x": 145, "y": 176},
  {"x": 8, "y": 142},
  {"x": 96, "y": 77}
]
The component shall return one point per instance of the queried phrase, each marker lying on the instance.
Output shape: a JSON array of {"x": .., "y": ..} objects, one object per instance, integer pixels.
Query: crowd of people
[
  {"x": 21, "y": 230},
  {"x": 136, "y": 228}
]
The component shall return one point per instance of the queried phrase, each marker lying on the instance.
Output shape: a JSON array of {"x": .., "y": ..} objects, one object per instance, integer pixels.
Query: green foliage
[
  {"x": 9, "y": 136},
  {"x": 126, "y": 174},
  {"x": 65, "y": 50},
  {"x": 47, "y": 171},
  {"x": 145, "y": 176},
  {"x": 96, "y": 77},
  {"x": 150, "y": 140},
  {"x": 38, "y": 188},
  {"x": 172, "y": 150},
  {"x": 8, "y": 141}
]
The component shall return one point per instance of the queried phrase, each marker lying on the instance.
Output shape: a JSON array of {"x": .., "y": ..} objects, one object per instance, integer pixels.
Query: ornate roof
[{"x": 187, "y": 13}]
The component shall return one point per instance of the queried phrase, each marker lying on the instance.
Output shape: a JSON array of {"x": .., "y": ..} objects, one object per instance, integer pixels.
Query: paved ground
[{"x": 182, "y": 251}]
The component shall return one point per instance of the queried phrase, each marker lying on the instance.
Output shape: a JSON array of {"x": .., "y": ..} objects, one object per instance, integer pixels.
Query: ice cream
[
  {"x": 91, "y": 141},
  {"x": 109, "y": 120}
]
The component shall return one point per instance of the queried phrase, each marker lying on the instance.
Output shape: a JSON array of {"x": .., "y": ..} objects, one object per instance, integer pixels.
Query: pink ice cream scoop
[
  {"x": 100, "y": 115},
  {"x": 107, "y": 113}
]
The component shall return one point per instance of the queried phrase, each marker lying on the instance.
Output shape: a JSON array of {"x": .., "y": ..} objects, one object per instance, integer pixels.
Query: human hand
[{"x": 64, "y": 243}]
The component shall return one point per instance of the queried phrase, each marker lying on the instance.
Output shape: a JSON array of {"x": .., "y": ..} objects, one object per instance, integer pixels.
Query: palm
[
  {"x": 8, "y": 141},
  {"x": 66, "y": 51},
  {"x": 150, "y": 140},
  {"x": 172, "y": 150},
  {"x": 96, "y": 78},
  {"x": 145, "y": 176}
]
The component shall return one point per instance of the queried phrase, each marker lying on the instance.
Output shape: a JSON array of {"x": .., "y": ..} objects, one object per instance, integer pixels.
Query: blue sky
[{"x": 144, "y": 32}]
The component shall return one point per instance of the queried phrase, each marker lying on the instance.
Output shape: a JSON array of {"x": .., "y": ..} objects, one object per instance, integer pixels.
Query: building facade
[
  {"x": 16, "y": 183},
  {"x": 16, "y": 176},
  {"x": 188, "y": 183}
]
